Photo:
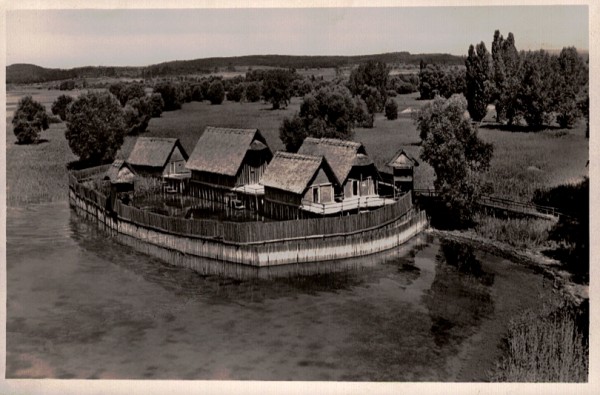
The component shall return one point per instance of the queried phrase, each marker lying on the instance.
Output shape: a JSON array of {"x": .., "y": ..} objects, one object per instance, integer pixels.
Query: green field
[{"x": 522, "y": 162}]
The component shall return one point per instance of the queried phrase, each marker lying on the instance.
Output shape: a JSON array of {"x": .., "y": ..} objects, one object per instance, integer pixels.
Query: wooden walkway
[{"x": 506, "y": 206}]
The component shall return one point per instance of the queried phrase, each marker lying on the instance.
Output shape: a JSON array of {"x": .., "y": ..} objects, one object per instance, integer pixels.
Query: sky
[{"x": 72, "y": 38}]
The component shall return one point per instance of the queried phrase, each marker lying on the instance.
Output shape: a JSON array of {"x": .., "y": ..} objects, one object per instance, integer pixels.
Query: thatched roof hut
[
  {"x": 228, "y": 157},
  {"x": 402, "y": 160},
  {"x": 353, "y": 168},
  {"x": 154, "y": 154},
  {"x": 403, "y": 165},
  {"x": 222, "y": 150},
  {"x": 342, "y": 155},
  {"x": 295, "y": 173},
  {"x": 120, "y": 172}
]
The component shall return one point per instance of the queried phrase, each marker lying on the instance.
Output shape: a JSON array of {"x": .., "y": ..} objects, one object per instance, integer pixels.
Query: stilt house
[
  {"x": 158, "y": 157},
  {"x": 353, "y": 168},
  {"x": 403, "y": 166},
  {"x": 226, "y": 160},
  {"x": 161, "y": 158},
  {"x": 297, "y": 184}
]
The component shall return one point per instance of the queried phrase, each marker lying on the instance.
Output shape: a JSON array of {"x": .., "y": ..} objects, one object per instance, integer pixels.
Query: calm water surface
[{"x": 80, "y": 305}]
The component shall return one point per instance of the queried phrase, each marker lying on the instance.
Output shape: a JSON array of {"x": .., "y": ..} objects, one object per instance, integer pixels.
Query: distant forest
[{"x": 29, "y": 73}]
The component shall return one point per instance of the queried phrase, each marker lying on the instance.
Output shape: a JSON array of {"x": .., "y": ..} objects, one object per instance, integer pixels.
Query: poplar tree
[{"x": 478, "y": 79}]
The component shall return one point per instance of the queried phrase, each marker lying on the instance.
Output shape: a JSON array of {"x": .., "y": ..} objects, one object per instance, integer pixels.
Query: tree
[
  {"x": 131, "y": 91},
  {"x": 236, "y": 93},
  {"x": 170, "y": 95},
  {"x": 370, "y": 75},
  {"x": 95, "y": 127},
  {"x": 292, "y": 133},
  {"x": 569, "y": 87},
  {"x": 451, "y": 146},
  {"x": 433, "y": 80},
  {"x": 391, "y": 109},
  {"x": 216, "y": 92},
  {"x": 507, "y": 77},
  {"x": 197, "y": 93},
  {"x": 253, "y": 92},
  {"x": 29, "y": 120},
  {"x": 277, "y": 87},
  {"x": 155, "y": 105},
  {"x": 534, "y": 96},
  {"x": 137, "y": 115},
  {"x": 59, "y": 107},
  {"x": 328, "y": 113},
  {"x": 478, "y": 78}
]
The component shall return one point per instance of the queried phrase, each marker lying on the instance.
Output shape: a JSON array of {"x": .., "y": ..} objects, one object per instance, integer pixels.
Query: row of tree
[{"x": 533, "y": 86}]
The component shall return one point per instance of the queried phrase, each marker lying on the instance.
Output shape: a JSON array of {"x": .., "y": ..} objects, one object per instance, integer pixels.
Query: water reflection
[
  {"x": 82, "y": 305},
  {"x": 243, "y": 282},
  {"x": 460, "y": 296}
]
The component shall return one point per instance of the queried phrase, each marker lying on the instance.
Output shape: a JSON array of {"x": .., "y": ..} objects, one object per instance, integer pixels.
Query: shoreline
[{"x": 574, "y": 293}]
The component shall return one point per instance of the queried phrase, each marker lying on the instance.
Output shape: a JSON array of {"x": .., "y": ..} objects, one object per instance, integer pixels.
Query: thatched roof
[
  {"x": 340, "y": 154},
  {"x": 294, "y": 172},
  {"x": 112, "y": 173},
  {"x": 402, "y": 160},
  {"x": 154, "y": 151},
  {"x": 222, "y": 150}
]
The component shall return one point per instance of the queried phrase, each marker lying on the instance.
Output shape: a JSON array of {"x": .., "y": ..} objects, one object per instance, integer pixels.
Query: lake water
[{"x": 80, "y": 305}]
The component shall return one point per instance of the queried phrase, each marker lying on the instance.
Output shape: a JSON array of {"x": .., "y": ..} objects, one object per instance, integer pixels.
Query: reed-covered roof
[
  {"x": 222, "y": 150},
  {"x": 402, "y": 160},
  {"x": 154, "y": 151},
  {"x": 112, "y": 173},
  {"x": 341, "y": 155},
  {"x": 294, "y": 172}
]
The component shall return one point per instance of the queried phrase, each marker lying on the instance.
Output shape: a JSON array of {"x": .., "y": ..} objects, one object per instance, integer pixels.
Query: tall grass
[
  {"x": 544, "y": 347},
  {"x": 526, "y": 233},
  {"x": 37, "y": 173},
  {"x": 524, "y": 162}
]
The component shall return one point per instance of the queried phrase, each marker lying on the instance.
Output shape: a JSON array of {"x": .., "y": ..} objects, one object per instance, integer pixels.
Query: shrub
[{"x": 29, "y": 120}]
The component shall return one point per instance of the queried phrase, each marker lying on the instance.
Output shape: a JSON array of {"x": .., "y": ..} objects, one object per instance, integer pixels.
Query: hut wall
[
  {"x": 281, "y": 205},
  {"x": 175, "y": 163},
  {"x": 146, "y": 171},
  {"x": 404, "y": 178},
  {"x": 253, "y": 167}
]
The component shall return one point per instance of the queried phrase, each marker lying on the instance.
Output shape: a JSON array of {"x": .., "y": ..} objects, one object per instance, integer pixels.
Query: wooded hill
[{"x": 29, "y": 73}]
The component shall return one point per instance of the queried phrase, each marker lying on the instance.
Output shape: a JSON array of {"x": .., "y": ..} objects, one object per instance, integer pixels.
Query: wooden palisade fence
[{"x": 281, "y": 236}]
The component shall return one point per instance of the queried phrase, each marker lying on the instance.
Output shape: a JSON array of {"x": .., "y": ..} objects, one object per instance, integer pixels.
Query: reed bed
[
  {"x": 546, "y": 347},
  {"x": 525, "y": 233}
]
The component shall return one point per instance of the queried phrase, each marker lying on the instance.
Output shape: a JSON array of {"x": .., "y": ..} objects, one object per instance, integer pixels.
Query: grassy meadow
[{"x": 522, "y": 161}]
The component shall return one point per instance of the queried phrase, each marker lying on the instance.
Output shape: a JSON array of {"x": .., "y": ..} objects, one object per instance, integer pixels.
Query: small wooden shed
[
  {"x": 226, "y": 158},
  {"x": 356, "y": 172},
  {"x": 403, "y": 166},
  {"x": 121, "y": 176},
  {"x": 294, "y": 180}
]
